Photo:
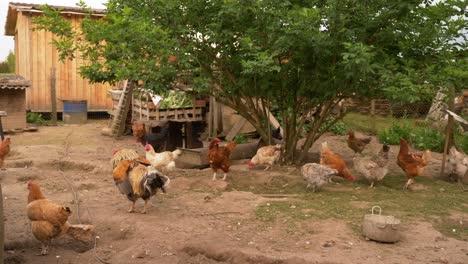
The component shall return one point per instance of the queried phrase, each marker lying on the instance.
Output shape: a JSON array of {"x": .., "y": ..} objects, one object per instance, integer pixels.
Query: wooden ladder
[{"x": 120, "y": 117}]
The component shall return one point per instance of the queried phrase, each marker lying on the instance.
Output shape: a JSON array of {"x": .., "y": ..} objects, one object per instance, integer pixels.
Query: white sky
[{"x": 7, "y": 42}]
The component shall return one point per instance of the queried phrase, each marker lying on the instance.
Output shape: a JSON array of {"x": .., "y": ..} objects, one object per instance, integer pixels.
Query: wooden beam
[
  {"x": 53, "y": 97},
  {"x": 236, "y": 128}
]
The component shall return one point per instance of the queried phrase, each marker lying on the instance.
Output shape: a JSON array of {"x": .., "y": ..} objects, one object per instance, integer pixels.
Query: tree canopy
[
  {"x": 297, "y": 58},
  {"x": 8, "y": 66}
]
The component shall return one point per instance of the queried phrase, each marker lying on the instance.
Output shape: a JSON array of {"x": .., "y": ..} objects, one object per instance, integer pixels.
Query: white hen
[
  {"x": 266, "y": 155},
  {"x": 458, "y": 164},
  {"x": 317, "y": 175},
  {"x": 164, "y": 160}
]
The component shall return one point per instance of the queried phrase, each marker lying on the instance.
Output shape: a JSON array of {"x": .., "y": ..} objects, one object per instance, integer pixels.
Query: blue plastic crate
[{"x": 72, "y": 106}]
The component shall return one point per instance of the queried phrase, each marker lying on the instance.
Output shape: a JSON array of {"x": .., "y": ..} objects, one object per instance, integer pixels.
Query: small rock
[
  {"x": 292, "y": 206},
  {"x": 329, "y": 243},
  {"x": 442, "y": 260},
  {"x": 440, "y": 238}
]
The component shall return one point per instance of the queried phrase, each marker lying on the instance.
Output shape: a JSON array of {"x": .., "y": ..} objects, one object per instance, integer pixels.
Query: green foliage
[
  {"x": 35, "y": 118},
  {"x": 428, "y": 138},
  {"x": 461, "y": 141},
  {"x": 338, "y": 128},
  {"x": 11, "y": 62},
  {"x": 8, "y": 66},
  {"x": 175, "y": 99},
  {"x": 392, "y": 135},
  {"x": 4, "y": 67},
  {"x": 240, "y": 139},
  {"x": 419, "y": 137}
]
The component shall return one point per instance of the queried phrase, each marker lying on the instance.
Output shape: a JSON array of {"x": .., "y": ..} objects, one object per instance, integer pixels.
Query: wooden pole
[
  {"x": 53, "y": 97},
  {"x": 2, "y": 227},
  {"x": 448, "y": 129},
  {"x": 210, "y": 118},
  {"x": 372, "y": 107}
]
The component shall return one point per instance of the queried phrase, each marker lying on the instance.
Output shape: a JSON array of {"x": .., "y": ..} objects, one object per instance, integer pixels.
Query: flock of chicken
[
  {"x": 141, "y": 177},
  {"x": 373, "y": 168}
]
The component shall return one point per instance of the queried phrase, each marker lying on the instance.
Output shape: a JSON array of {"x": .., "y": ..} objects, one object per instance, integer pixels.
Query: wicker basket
[{"x": 382, "y": 228}]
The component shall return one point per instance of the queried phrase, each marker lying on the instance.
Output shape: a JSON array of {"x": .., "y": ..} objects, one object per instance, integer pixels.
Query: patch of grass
[{"x": 434, "y": 203}]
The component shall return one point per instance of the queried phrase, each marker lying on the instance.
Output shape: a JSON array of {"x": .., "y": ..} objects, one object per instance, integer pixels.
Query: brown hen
[
  {"x": 50, "y": 220},
  {"x": 357, "y": 144},
  {"x": 413, "y": 164},
  {"x": 220, "y": 157}
]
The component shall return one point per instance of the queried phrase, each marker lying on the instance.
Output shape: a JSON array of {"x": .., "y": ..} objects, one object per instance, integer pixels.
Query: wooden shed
[
  {"x": 36, "y": 56},
  {"x": 13, "y": 101}
]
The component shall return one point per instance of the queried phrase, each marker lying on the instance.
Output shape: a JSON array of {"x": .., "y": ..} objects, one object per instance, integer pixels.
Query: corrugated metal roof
[
  {"x": 14, "y": 8},
  {"x": 14, "y": 82}
]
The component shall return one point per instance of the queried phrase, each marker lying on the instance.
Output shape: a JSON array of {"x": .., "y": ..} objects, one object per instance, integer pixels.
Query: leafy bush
[
  {"x": 35, "y": 118},
  {"x": 462, "y": 142},
  {"x": 419, "y": 137},
  {"x": 426, "y": 138},
  {"x": 339, "y": 128},
  {"x": 392, "y": 135},
  {"x": 240, "y": 139}
]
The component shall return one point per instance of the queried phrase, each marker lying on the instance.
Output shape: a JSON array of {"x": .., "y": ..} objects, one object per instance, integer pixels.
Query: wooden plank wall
[
  {"x": 13, "y": 102},
  {"x": 35, "y": 57}
]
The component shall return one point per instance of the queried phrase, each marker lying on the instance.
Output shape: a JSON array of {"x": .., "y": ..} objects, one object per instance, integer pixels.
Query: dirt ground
[{"x": 197, "y": 221}]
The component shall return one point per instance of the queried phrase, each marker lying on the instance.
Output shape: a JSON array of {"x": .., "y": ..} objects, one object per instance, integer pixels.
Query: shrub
[
  {"x": 461, "y": 141},
  {"x": 419, "y": 137},
  {"x": 339, "y": 128},
  {"x": 35, "y": 118},
  {"x": 426, "y": 138},
  {"x": 240, "y": 139},
  {"x": 392, "y": 135}
]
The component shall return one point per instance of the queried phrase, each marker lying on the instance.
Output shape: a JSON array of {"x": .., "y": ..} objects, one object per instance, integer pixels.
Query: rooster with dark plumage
[{"x": 136, "y": 179}]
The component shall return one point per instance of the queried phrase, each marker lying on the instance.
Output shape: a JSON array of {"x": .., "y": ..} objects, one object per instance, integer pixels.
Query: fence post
[
  {"x": 2, "y": 227},
  {"x": 372, "y": 109},
  {"x": 53, "y": 97},
  {"x": 448, "y": 129}
]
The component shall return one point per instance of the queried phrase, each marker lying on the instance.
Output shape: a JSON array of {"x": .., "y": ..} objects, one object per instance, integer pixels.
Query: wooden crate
[{"x": 146, "y": 111}]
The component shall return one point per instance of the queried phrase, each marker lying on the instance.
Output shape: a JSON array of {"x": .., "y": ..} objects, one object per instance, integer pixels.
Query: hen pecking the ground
[
  {"x": 266, "y": 155},
  {"x": 316, "y": 175},
  {"x": 334, "y": 161},
  {"x": 50, "y": 220}
]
